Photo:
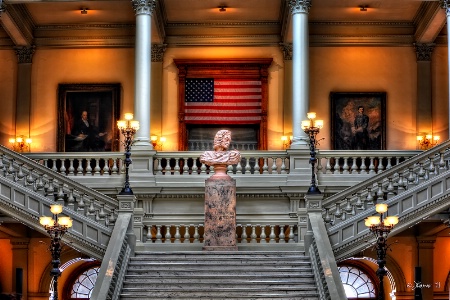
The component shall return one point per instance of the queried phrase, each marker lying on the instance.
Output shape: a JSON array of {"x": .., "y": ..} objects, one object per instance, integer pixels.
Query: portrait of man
[
  {"x": 87, "y": 135},
  {"x": 358, "y": 121}
]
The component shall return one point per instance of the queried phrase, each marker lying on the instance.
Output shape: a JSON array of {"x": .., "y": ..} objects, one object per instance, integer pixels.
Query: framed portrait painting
[
  {"x": 87, "y": 117},
  {"x": 358, "y": 121}
]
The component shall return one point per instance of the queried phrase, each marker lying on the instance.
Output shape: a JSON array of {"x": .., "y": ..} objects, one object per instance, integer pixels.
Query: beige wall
[
  {"x": 51, "y": 67},
  {"x": 8, "y": 74}
]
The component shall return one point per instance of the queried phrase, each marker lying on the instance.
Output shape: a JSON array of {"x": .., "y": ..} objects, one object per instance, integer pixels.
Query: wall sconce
[
  {"x": 222, "y": 8},
  {"x": 363, "y": 7},
  {"x": 20, "y": 144},
  {"x": 427, "y": 141},
  {"x": 287, "y": 141},
  {"x": 157, "y": 143},
  {"x": 84, "y": 11}
]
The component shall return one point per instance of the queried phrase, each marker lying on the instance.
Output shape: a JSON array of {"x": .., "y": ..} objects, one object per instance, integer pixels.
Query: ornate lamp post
[
  {"x": 56, "y": 227},
  {"x": 312, "y": 127},
  {"x": 381, "y": 227},
  {"x": 128, "y": 128}
]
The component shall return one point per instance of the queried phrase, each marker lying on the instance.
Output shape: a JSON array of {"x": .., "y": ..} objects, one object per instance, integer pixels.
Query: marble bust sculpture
[{"x": 221, "y": 155}]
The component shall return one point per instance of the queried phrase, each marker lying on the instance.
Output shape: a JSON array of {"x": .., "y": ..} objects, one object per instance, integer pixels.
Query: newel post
[{"x": 313, "y": 206}]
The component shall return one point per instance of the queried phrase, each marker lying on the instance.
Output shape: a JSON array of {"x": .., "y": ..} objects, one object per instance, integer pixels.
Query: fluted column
[
  {"x": 144, "y": 10},
  {"x": 300, "y": 66},
  {"x": 23, "y": 97},
  {"x": 424, "y": 118},
  {"x": 445, "y": 4},
  {"x": 287, "y": 89}
]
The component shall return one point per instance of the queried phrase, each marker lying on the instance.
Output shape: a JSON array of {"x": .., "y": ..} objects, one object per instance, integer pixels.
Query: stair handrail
[
  {"x": 115, "y": 262},
  {"x": 37, "y": 167},
  {"x": 387, "y": 173},
  {"x": 324, "y": 265}
]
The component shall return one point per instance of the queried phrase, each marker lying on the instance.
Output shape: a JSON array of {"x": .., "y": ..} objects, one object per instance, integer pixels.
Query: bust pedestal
[{"x": 220, "y": 211}]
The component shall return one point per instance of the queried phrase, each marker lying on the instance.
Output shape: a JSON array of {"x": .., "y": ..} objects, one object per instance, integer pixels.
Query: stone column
[
  {"x": 445, "y": 4},
  {"x": 144, "y": 10},
  {"x": 23, "y": 98},
  {"x": 300, "y": 66},
  {"x": 220, "y": 211},
  {"x": 20, "y": 262},
  {"x": 426, "y": 261},
  {"x": 424, "y": 117}
]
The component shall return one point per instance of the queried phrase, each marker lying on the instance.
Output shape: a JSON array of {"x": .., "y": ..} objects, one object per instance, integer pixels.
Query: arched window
[
  {"x": 84, "y": 284},
  {"x": 357, "y": 284}
]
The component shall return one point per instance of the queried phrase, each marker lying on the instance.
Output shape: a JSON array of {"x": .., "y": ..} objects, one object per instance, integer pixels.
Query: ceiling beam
[
  {"x": 429, "y": 21},
  {"x": 18, "y": 24}
]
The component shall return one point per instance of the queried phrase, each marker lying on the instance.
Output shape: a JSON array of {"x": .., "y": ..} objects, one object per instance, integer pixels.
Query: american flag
[{"x": 222, "y": 101}]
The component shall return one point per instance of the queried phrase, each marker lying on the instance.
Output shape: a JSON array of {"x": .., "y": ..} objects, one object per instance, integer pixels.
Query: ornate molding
[
  {"x": 424, "y": 51},
  {"x": 445, "y": 4},
  {"x": 299, "y": 6},
  {"x": 25, "y": 54},
  {"x": 144, "y": 7},
  {"x": 158, "y": 52},
  {"x": 286, "y": 48}
]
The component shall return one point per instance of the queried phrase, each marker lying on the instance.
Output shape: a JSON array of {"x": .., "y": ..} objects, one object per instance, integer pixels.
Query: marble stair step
[
  {"x": 220, "y": 254},
  {"x": 193, "y": 271},
  {"x": 207, "y": 260},
  {"x": 203, "y": 266},
  {"x": 141, "y": 279},
  {"x": 210, "y": 295}
]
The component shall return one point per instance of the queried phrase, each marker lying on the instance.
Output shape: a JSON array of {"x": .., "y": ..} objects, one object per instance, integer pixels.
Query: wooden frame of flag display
[{"x": 223, "y": 92}]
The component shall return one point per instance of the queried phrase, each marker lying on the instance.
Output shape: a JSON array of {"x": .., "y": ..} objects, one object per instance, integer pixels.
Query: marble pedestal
[{"x": 220, "y": 212}]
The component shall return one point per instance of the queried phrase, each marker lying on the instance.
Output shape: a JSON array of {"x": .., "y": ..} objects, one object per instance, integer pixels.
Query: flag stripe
[{"x": 225, "y": 101}]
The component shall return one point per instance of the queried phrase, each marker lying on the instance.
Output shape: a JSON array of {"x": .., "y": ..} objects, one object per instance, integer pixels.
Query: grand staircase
[{"x": 219, "y": 275}]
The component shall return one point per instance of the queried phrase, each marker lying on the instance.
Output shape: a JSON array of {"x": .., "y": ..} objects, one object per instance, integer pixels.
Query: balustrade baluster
[
  {"x": 60, "y": 194},
  {"x": 20, "y": 174},
  {"x": 380, "y": 192},
  {"x": 168, "y": 169},
  {"x": 338, "y": 212},
  {"x": 196, "y": 234},
  {"x": 265, "y": 166},
  {"x": 354, "y": 167},
  {"x": 328, "y": 165},
  {"x": 62, "y": 169},
  {"x": 282, "y": 236},
  {"x": 390, "y": 189},
  {"x": 327, "y": 217},
  {"x": 319, "y": 165},
  {"x": 194, "y": 166},
  {"x": 421, "y": 174},
  {"x": 40, "y": 182},
  {"x": 244, "y": 234},
  {"x": 71, "y": 168},
  {"x": 177, "y": 234},
  {"x": 97, "y": 166},
  {"x": 253, "y": 234},
  {"x": 187, "y": 236},
  {"x": 112, "y": 218},
  {"x": 369, "y": 197},
  {"x": 274, "y": 169},
  {"x": 371, "y": 166},
  {"x": 102, "y": 213},
  {"x": 158, "y": 236},
  {"x": 401, "y": 184},
  {"x": 29, "y": 178},
  {"x": 50, "y": 188},
  {"x": 283, "y": 166},
  {"x": 230, "y": 169},
  {"x": 106, "y": 167},
  {"x": 88, "y": 167},
  {"x": 54, "y": 169},
  {"x": 345, "y": 167},
  {"x": 91, "y": 209},
  {"x": 359, "y": 203},
  {"x": 203, "y": 168},
  {"x": 80, "y": 167},
  {"x": 114, "y": 168},
  {"x": 248, "y": 168},
  {"x": 348, "y": 206},
  {"x": 257, "y": 168},
  {"x": 363, "y": 168},
  {"x": 262, "y": 236},
  {"x": 272, "y": 234},
  {"x": 389, "y": 165},
  {"x": 442, "y": 161},
  {"x": 185, "y": 166},
  {"x": 176, "y": 170},
  {"x": 168, "y": 236},
  {"x": 71, "y": 200},
  {"x": 81, "y": 205},
  {"x": 431, "y": 167},
  {"x": 291, "y": 234},
  {"x": 239, "y": 167}
]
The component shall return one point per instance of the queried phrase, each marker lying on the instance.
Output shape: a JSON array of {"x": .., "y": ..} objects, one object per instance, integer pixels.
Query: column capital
[
  {"x": 299, "y": 6},
  {"x": 424, "y": 51},
  {"x": 158, "y": 52},
  {"x": 286, "y": 48},
  {"x": 25, "y": 54},
  {"x": 445, "y": 4},
  {"x": 144, "y": 7}
]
